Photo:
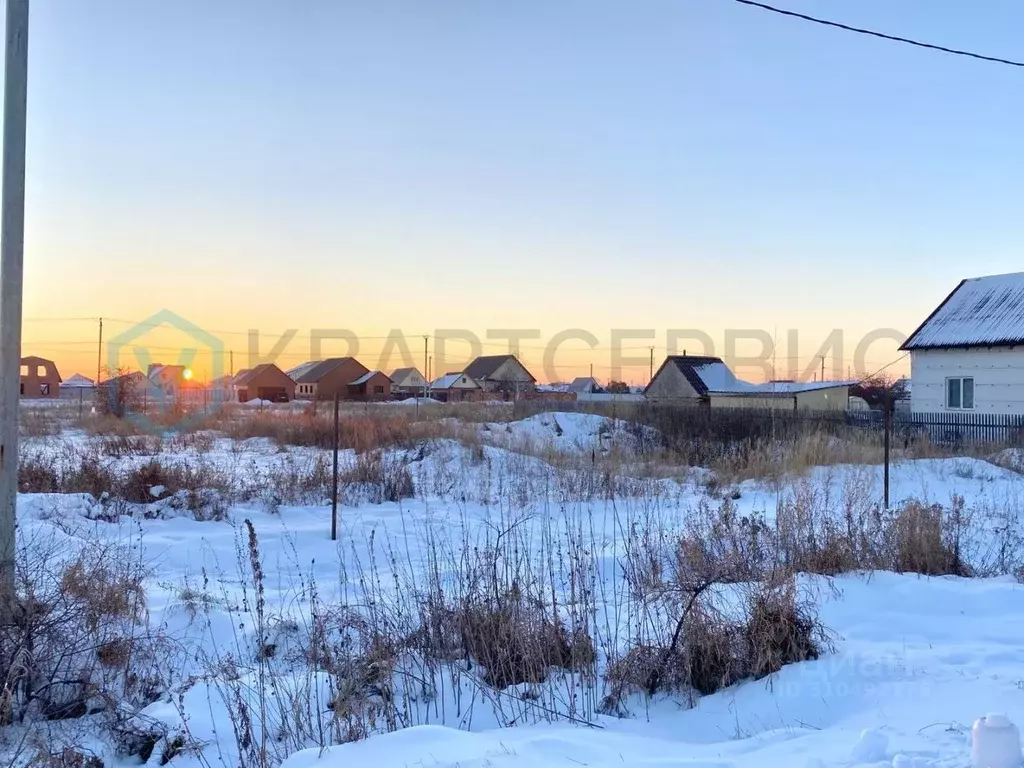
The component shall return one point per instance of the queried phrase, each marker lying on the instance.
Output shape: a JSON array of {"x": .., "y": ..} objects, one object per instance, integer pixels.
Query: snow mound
[
  {"x": 871, "y": 746},
  {"x": 569, "y": 433},
  {"x": 258, "y": 403}
]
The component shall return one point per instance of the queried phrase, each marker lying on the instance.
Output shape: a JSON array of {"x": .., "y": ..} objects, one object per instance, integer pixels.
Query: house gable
[
  {"x": 979, "y": 312},
  {"x": 512, "y": 371},
  {"x": 408, "y": 378},
  {"x": 670, "y": 382}
]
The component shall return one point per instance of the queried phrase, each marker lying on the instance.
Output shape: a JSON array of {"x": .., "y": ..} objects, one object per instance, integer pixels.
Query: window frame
[{"x": 960, "y": 393}]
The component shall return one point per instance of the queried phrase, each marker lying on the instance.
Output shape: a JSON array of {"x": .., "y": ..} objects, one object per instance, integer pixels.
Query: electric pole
[
  {"x": 822, "y": 367},
  {"x": 99, "y": 354},
  {"x": 12, "y": 259},
  {"x": 650, "y": 376},
  {"x": 426, "y": 366}
]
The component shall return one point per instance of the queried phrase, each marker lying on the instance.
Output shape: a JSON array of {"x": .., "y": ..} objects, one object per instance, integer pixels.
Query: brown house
[
  {"x": 39, "y": 378},
  {"x": 329, "y": 377},
  {"x": 501, "y": 373},
  {"x": 264, "y": 382},
  {"x": 372, "y": 385}
]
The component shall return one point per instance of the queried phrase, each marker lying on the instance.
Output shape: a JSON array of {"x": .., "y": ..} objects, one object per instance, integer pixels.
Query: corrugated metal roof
[{"x": 980, "y": 312}]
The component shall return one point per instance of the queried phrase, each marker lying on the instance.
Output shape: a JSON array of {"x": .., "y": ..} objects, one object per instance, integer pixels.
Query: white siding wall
[{"x": 998, "y": 378}]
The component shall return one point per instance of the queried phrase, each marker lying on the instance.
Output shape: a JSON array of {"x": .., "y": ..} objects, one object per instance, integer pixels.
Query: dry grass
[
  {"x": 517, "y": 612},
  {"x": 79, "y": 644},
  {"x": 518, "y": 641},
  {"x": 924, "y": 539}
]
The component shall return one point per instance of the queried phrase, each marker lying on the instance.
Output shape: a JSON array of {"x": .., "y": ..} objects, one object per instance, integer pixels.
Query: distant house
[
  {"x": 372, "y": 385},
  {"x": 127, "y": 392},
  {"x": 322, "y": 380},
  {"x": 301, "y": 369},
  {"x": 702, "y": 380},
  {"x": 166, "y": 380},
  {"x": 264, "y": 382},
  {"x": 585, "y": 385},
  {"x": 39, "y": 378},
  {"x": 408, "y": 381},
  {"x": 502, "y": 374},
  {"x": 968, "y": 354},
  {"x": 453, "y": 387},
  {"x": 77, "y": 387}
]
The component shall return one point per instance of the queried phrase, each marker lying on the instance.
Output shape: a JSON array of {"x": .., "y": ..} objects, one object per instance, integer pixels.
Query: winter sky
[{"x": 634, "y": 165}]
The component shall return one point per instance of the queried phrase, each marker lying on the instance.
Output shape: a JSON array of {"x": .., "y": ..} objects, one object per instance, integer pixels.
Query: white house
[
  {"x": 408, "y": 381},
  {"x": 453, "y": 387},
  {"x": 968, "y": 355}
]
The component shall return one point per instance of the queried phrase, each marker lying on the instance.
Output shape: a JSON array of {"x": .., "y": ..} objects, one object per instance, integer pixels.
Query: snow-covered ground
[{"x": 916, "y": 659}]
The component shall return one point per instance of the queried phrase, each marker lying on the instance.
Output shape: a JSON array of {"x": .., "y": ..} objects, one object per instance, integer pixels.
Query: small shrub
[
  {"x": 516, "y": 641},
  {"x": 918, "y": 543},
  {"x": 712, "y": 653},
  {"x": 68, "y": 758},
  {"x": 381, "y": 477},
  {"x": 635, "y": 671},
  {"x": 780, "y": 630}
]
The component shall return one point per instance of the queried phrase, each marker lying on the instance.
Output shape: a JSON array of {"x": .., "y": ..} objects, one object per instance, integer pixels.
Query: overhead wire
[{"x": 881, "y": 35}]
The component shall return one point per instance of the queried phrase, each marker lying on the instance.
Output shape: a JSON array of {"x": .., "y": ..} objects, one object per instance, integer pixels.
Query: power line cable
[{"x": 882, "y": 35}]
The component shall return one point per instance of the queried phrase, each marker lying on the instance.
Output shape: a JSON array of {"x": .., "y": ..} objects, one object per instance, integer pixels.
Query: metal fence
[{"x": 955, "y": 428}]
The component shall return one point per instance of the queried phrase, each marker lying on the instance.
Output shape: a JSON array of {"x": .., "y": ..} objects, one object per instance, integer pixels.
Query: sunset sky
[{"x": 666, "y": 164}]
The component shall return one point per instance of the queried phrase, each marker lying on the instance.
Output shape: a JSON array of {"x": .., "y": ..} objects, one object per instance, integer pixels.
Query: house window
[
  {"x": 378, "y": 390},
  {"x": 960, "y": 392}
]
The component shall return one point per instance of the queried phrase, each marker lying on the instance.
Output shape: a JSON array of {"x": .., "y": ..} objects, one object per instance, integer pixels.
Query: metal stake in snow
[{"x": 12, "y": 245}]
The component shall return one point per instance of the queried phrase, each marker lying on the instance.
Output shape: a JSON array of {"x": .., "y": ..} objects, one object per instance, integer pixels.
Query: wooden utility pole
[
  {"x": 650, "y": 376},
  {"x": 334, "y": 475},
  {"x": 99, "y": 354},
  {"x": 822, "y": 367},
  {"x": 426, "y": 366},
  {"x": 12, "y": 260}
]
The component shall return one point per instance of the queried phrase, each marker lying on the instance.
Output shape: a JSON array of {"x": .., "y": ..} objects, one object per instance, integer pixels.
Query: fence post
[
  {"x": 888, "y": 438},
  {"x": 334, "y": 476}
]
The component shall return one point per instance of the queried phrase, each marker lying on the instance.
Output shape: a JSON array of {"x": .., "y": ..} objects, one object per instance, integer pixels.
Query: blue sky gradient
[{"x": 662, "y": 164}]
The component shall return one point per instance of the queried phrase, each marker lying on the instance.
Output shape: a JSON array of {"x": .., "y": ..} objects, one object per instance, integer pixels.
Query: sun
[{"x": 187, "y": 374}]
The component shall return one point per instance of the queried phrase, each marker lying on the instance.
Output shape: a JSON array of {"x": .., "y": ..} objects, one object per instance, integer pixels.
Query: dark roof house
[
  {"x": 500, "y": 373},
  {"x": 264, "y": 382},
  {"x": 700, "y": 378},
  {"x": 328, "y": 378},
  {"x": 585, "y": 385},
  {"x": 372, "y": 385}
]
